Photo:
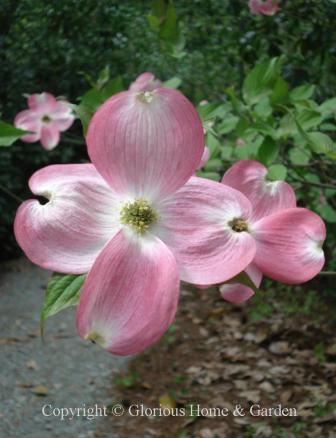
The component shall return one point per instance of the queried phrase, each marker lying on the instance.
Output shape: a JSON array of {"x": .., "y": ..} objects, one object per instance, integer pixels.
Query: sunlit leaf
[
  {"x": 62, "y": 291},
  {"x": 277, "y": 172},
  {"x": 302, "y": 92},
  {"x": 9, "y": 134}
]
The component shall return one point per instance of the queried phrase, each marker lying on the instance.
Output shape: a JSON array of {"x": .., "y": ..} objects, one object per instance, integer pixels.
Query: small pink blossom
[
  {"x": 45, "y": 118},
  {"x": 136, "y": 219},
  {"x": 240, "y": 142},
  {"x": 145, "y": 82},
  {"x": 265, "y": 7}
]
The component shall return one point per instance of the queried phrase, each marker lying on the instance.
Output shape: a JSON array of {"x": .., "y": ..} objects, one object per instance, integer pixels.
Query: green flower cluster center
[
  {"x": 238, "y": 225},
  {"x": 146, "y": 96},
  {"x": 46, "y": 119},
  {"x": 139, "y": 215}
]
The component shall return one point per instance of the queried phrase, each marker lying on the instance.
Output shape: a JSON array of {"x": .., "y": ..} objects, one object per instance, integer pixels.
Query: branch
[
  {"x": 327, "y": 273},
  {"x": 314, "y": 184},
  {"x": 11, "y": 194},
  {"x": 73, "y": 140}
]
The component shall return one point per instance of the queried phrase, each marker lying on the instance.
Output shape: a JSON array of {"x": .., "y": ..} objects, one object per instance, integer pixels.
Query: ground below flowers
[{"x": 281, "y": 351}]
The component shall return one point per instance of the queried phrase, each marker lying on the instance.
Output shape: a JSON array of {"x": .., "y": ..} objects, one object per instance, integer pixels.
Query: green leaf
[
  {"x": 92, "y": 99},
  {"x": 113, "y": 86},
  {"x": 208, "y": 175},
  {"x": 277, "y": 172},
  {"x": 213, "y": 165},
  {"x": 328, "y": 107},
  {"x": 226, "y": 152},
  {"x": 84, "y": 114},
  {"x": 263, "y": 108},
  {"x": 228, "y": 124},
  {"x": 62, "y": 291},
  {"x": 280, "y": 92},
  {"x": 158, "y": 13},
  {"x": 268, "y": 151},
  {"x": 208, "y": 111},
  {"x": 320, "y": 142},
  {"x": 331, "y": 127},
  {"x": 243, "y": 278},
  {"x": 159, "y": 8},
  {"x": 299, "y": 156},
  {"x": 174, "y": 82},
  {"x": 9, "y": 134},
  {"x": 261, "y": 80},
  {"x": 153, "y": 22},
  {"x": 103, "y": 77},
  {"x": 308, "y": 119},
  {"x": 263, "y": 128},
  {"x": 212, "y": 142},
  {"x": 287, "y": 126},
  {"x": 327, "y": 212},
  {"x": 302, "y": 92},
  {"x": 169, "y": 30}
]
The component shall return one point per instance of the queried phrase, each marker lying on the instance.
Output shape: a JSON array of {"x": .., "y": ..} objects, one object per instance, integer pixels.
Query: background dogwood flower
[
  {"x": 269, "y": 198},
  {"x": 135, "y": 220},
  {"x": 265, "y": 7},
  {"x": 45, "y": 118}
]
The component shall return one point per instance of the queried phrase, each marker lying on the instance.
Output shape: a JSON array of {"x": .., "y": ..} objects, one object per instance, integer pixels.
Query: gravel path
[{"x": 71, "y": 372}]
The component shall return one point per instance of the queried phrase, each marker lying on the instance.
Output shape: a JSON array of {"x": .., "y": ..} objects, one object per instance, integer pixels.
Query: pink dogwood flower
[
  {"x": 145, "y": 82},
  {"x": 136, "y": 219},
  {"x": 265, "y": 7},
  {"x": 288, "y": 239},
  {"x": 45, "y": 118},
  {"x": 205, "y": 158}
]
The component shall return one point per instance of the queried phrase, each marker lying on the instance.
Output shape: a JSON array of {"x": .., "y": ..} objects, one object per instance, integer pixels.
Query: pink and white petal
[
  {"x": 289, "y": 245},
  {"x": 194, "y": 223},
  {"x": 265, "y": 7},
  {"x": 28, "y": 120},
  {"x": 145, "y": 82},
  {"x": 205, "y": 158},
  {"x": 237, "y": 293},
  {"x": 267, "y": 197},
  {"x": 67, "y": 233},
  {"x": 147, "y": 144},
  {"x": 62, "y": 115},
  {"x": 130, "y": 296},
  {"x": 269, "y": 7},
  {"x": 254, "y": 6},
  {"x": 42, "y": 102},
  {"x": 50, "y": 136}
]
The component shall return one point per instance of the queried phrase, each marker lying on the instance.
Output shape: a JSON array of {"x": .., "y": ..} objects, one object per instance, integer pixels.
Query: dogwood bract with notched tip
[
  {"x": 145, "y": 82},
  {"x": 148, "y": 82},
  {"x": 288, "y": 239},
  {"x": 265, "y": 7},
  {"x": 45, "y": 118},
  {"x": 136, "y": 219}
]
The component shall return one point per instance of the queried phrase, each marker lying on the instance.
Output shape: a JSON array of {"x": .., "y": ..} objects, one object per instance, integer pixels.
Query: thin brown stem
[
  {"x": 314, "y": 184},
  {"x": 11, "y": 194}
]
